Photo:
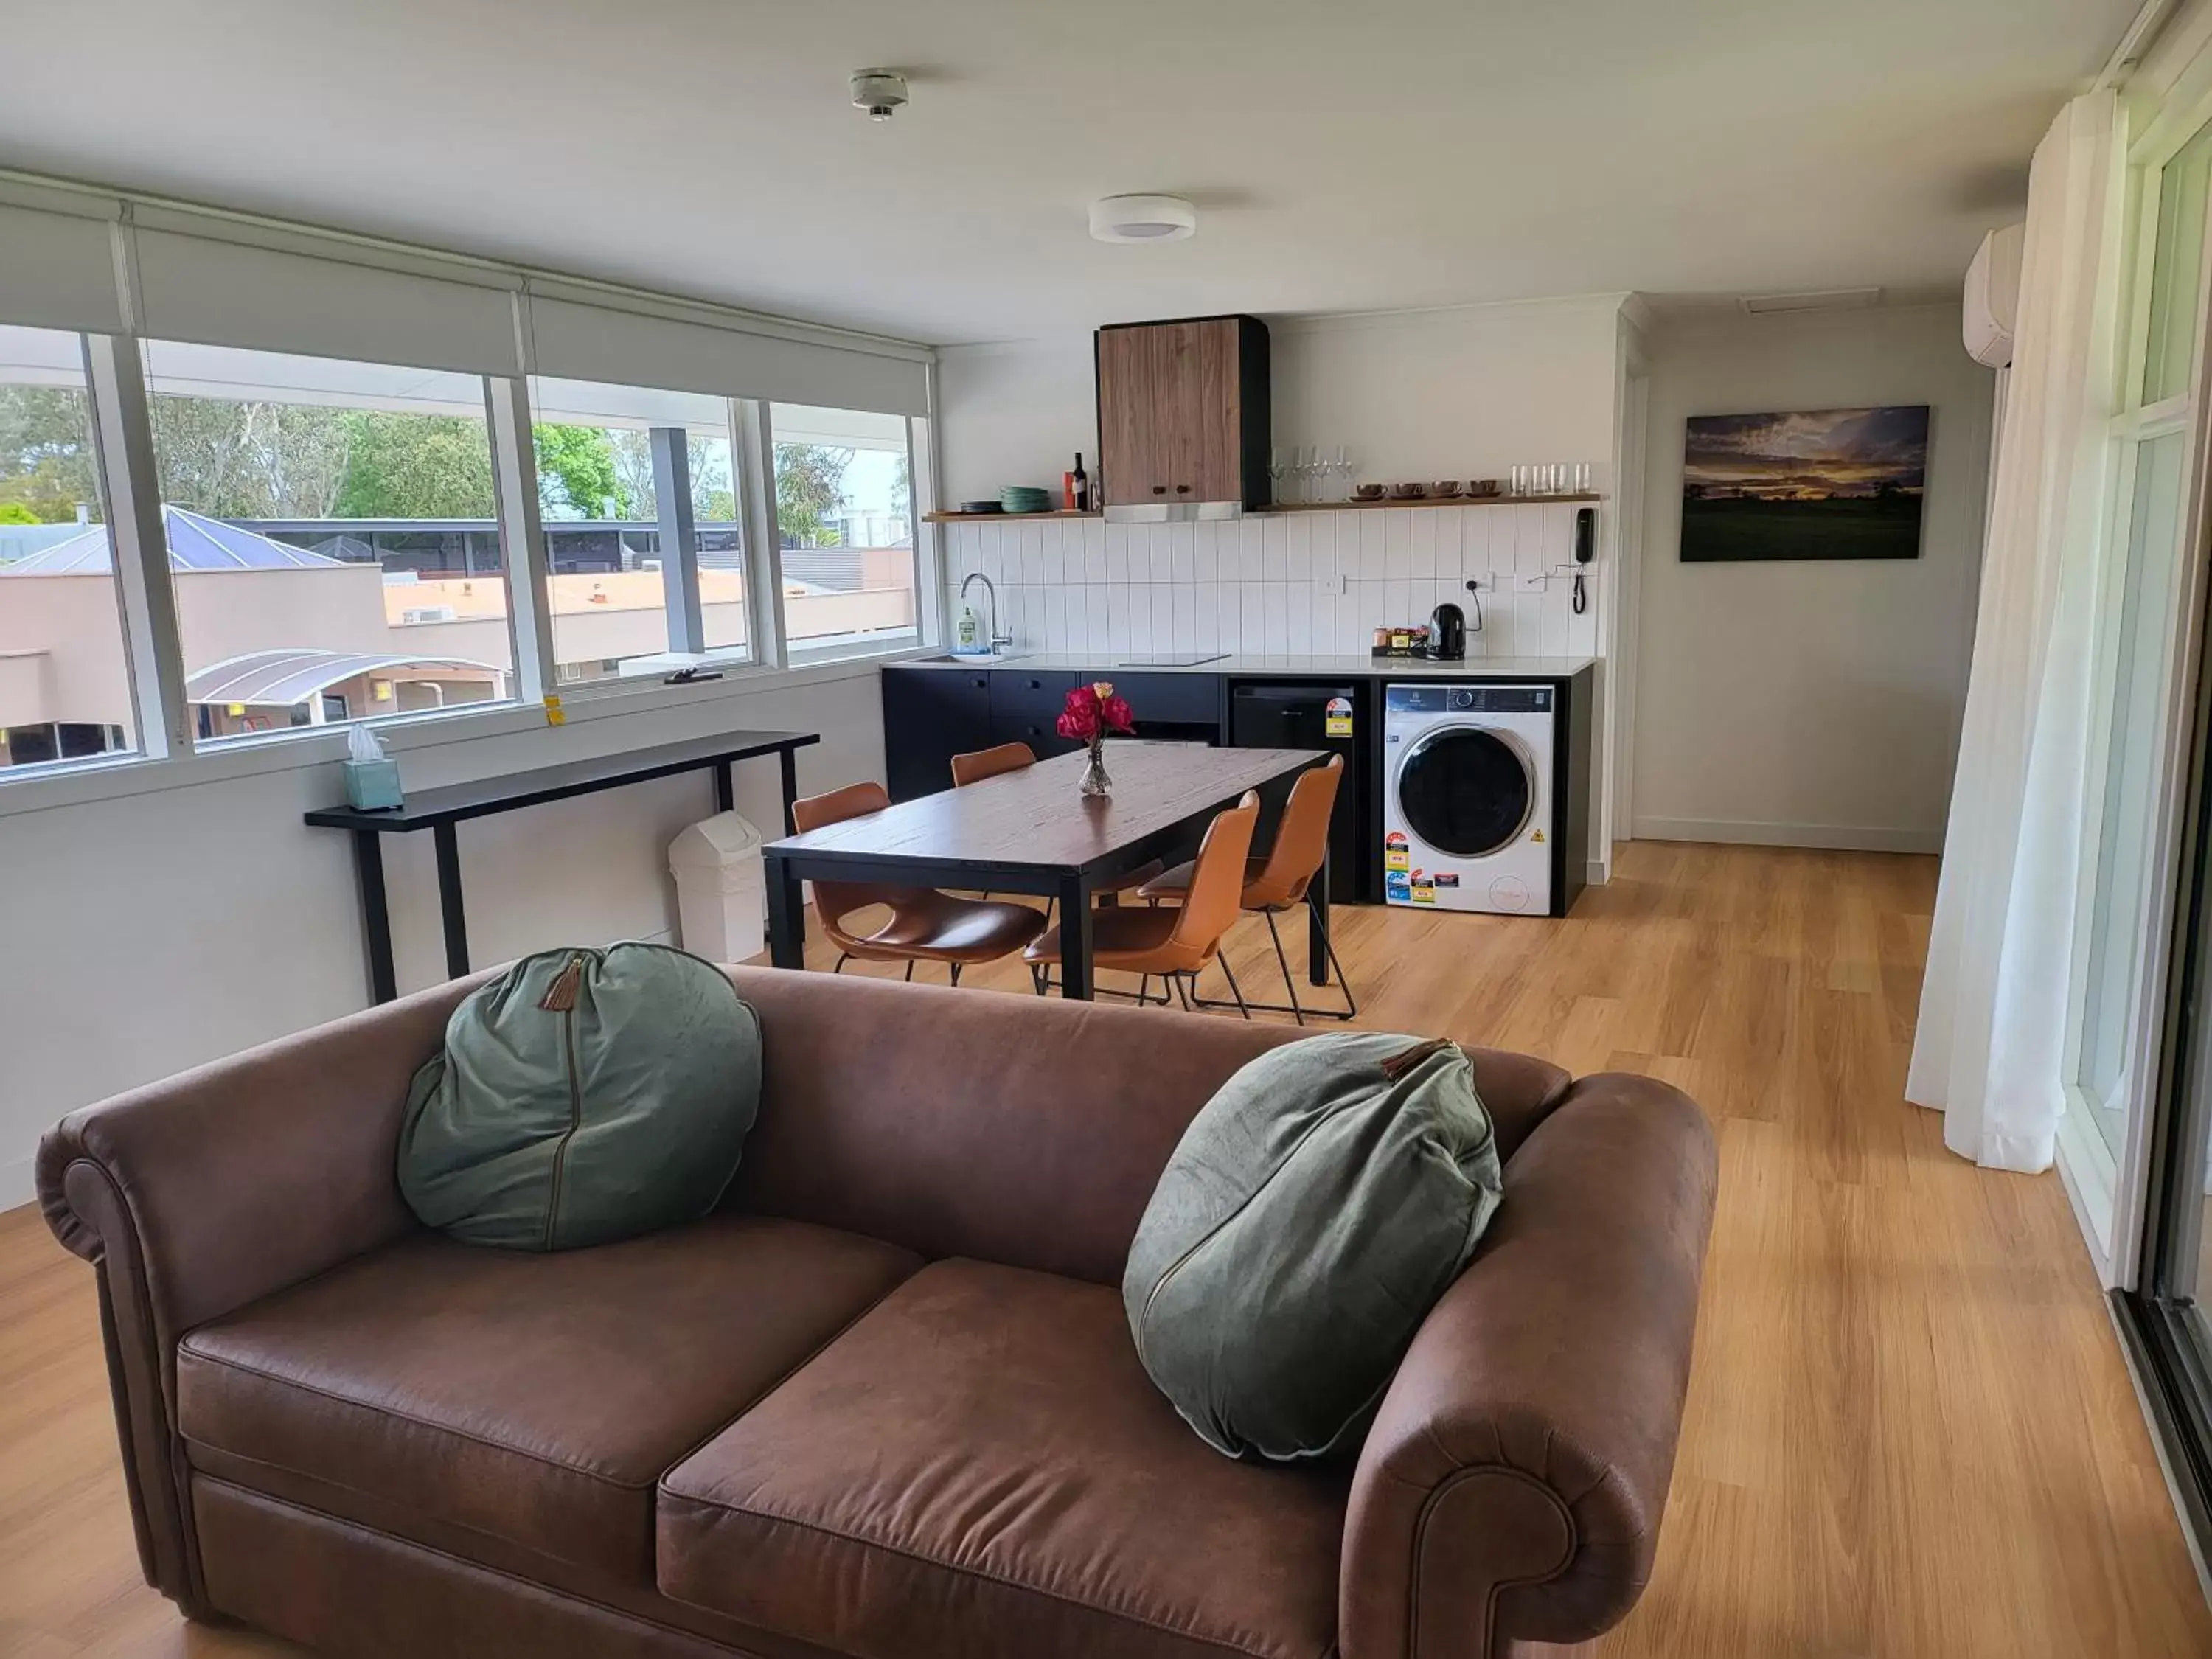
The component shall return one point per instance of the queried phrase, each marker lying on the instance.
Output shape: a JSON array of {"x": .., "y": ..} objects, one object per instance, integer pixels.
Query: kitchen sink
[{"x": 975, "y": 657}]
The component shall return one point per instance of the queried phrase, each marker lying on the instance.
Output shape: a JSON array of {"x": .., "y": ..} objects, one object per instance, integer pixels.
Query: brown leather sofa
[{"x": 884, "y": 1405}]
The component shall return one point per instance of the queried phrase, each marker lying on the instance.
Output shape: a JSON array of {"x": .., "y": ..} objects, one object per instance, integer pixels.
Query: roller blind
[
  {"x": 57, "y": 269},
  {"x": 582, "y": 342},
  {"x": 215, "y": 291}
]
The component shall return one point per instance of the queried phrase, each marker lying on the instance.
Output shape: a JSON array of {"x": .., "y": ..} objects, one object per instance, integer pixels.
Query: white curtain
[{"x": 1989, "y": 1049}]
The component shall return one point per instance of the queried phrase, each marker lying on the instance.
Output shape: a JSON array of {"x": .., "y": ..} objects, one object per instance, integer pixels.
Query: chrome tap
[{"x": 998, "y": 640}]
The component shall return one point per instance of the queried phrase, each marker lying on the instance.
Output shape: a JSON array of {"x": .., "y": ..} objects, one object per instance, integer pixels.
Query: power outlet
[{"x": 1334, "y": 585}]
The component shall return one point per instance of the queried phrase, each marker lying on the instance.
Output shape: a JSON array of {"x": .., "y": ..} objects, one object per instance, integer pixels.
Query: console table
[{"x": 438, "y": 810}]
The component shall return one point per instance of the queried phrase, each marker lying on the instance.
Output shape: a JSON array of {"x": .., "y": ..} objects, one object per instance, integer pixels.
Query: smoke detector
[
  {"x": 878, "y": 91},
  {"x": 1142, "y": 219}
]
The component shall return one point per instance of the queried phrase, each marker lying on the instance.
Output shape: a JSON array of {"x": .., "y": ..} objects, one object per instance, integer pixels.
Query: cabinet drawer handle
[
  {"x": 1182, "y": 489},
  {"x": 1159, "y": 490}
]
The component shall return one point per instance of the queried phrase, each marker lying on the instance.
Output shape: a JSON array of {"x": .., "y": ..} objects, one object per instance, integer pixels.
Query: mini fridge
[{"x": 1317, "y": 714}]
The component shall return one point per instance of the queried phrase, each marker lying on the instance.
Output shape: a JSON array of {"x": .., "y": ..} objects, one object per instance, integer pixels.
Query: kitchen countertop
[{"x": 1246, "y": 663}]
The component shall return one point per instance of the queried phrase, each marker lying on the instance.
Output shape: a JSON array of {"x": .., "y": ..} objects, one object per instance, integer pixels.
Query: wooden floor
[{"x": 1909, "y": 1430}]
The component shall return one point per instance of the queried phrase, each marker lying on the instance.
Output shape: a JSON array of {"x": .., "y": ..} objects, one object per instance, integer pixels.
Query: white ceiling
[{"x": 1344, "y": 155}]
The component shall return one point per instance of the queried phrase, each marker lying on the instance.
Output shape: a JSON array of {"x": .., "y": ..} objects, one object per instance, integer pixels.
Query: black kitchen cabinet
[{"x": 931, "y": 715}]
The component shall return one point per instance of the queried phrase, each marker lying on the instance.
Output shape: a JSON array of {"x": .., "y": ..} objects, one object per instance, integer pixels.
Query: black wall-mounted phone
[{"x": 1585, "y": 550}]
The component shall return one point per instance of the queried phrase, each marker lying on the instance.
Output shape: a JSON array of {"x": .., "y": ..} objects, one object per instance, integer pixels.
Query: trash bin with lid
[{"x": 721, "y": 888}]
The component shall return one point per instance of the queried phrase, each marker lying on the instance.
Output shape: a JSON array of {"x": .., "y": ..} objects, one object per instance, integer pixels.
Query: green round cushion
[
  {"x": 584, "y": 1096},
  {"x": 1314, "y": 1210}
]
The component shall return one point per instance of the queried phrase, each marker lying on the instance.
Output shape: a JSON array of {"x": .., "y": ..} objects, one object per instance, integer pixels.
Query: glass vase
[{"x": 1095, "y": 781}]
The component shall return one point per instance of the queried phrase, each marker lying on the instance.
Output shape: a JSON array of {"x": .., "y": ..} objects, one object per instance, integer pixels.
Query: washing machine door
[{"x": 1465, "y": 790}]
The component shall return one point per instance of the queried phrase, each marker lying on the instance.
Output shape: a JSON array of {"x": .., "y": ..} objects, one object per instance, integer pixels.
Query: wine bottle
[{"x": 1082, "y": 485}]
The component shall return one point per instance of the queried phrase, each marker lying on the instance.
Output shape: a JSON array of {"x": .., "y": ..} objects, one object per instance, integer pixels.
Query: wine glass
[
  {"x": 1278, "y": 467},
  {"x": 1341, "y": 465},
  {"x": 1314, "y": 471}
]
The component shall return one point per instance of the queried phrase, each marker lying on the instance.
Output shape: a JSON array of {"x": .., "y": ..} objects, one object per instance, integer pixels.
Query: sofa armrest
[
  {"x": 1511, "y": 1488},
  {"x": 197, "y": 1195}
]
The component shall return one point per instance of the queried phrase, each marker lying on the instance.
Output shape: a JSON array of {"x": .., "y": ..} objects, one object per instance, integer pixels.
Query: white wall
[
  {"x": 1809, "y": 704},
  {"x": 151, "y": 932}
]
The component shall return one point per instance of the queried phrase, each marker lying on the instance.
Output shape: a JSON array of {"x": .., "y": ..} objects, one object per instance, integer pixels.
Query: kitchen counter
[{"x": 1246, "y": 665}]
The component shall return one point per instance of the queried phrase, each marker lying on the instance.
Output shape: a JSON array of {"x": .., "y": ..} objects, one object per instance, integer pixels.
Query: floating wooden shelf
[
  {"x": 1423, "y": 500},
  {"x": 998, "y": 518},
  {"x": 1282, "y": 507}
]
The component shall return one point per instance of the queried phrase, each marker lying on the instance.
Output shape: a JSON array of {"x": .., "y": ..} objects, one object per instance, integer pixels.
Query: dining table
[{"x": 1033, "y": 831}]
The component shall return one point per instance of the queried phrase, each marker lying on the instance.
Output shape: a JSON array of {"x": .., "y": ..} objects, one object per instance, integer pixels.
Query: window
[
  {"x": 638, "y": 491},
  {"x": 2138, "y": 604},
  {"x": 64, "y": 679},
  {"x": 333, "y": 538},
  {"x": 844, "y": 510}
]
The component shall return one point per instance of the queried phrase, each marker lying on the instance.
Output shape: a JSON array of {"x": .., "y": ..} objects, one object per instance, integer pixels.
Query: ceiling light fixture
[
  {"x": 1142, "y": 219},
  {"x": 878, "y": 91}
]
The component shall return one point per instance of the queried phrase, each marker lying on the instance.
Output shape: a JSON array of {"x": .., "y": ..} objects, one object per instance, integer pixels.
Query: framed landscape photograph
[{"x": 1836, "y": 484}]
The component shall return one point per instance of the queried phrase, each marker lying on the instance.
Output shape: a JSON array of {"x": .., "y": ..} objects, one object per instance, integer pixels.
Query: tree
[
  {"x": 810, "y": 491},
  {"x": 48, "y": 466},
  {"x": 16, "y": 512},
  {"x": 576, "y": 472},
  {"x": 414, "y": 466},
  {"x": 250, "y": 460}
]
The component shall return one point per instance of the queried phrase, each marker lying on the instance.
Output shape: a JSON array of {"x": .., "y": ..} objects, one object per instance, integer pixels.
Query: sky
[{"x": 1809, "y": 456}]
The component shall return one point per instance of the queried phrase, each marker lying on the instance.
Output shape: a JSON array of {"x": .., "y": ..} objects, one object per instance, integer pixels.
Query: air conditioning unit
[
  {"x": 429, "y": 613},
  {"x": 1992, "y": 307}
]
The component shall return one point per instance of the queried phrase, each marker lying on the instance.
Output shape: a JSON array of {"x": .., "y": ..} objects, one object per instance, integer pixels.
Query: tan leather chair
[
  {"x": 1282, "y": 881},
  {"x": 1177, "y": 942},
  {"x": 925, "y": 925}
]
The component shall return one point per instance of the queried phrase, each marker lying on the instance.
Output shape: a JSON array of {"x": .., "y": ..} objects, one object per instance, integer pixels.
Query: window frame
[
  {"x": 2104, "y": 1179},
  {"x": 928, "y": 609}
]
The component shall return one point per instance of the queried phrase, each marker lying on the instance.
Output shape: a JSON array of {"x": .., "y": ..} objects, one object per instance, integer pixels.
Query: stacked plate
[{"x": 1020, "y": 498}]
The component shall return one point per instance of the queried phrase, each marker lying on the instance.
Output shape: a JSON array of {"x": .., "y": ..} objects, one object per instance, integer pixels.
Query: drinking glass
[
  {"x": 1581, "y": 478},
  {"x": 1316, "y": 473},
  {"x": 1278, "y": 467},
  {"x": 1519, "y": 475},
  {"x": 1341, "y": 465}
]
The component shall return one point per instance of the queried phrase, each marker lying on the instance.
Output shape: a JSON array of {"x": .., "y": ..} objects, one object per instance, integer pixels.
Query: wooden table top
[{"x": 1036, "y": 818}]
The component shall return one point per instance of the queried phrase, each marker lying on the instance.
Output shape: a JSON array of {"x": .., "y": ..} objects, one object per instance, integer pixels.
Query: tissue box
[{"x": 372, "y": 784}]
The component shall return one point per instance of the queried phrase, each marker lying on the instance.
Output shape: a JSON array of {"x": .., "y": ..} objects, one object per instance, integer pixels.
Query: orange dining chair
[
  {"x": 1175, "y": 942},
  {"x": 925, "y": 925},
  {"x": 1282, "y": 881}
]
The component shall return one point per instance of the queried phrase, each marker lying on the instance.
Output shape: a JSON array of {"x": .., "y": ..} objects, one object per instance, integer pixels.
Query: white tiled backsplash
[{"x": 1264, "y": 583}]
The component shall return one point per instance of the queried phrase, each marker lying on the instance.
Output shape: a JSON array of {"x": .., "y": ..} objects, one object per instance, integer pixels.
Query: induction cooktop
[{"x": 1171, "y": 660}]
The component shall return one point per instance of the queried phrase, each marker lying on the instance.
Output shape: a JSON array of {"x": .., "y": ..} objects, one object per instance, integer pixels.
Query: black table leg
[
  {"x": 1075, "y": 937},
  {"x": 376, "y": 913},
  {"x": 787, "y": 916},
  {"x": 449, "y": 900},
  {"x": 1317, "y": 924},
  {"x": 725, "y": 799},
  {"x": 789, "y": 757}
]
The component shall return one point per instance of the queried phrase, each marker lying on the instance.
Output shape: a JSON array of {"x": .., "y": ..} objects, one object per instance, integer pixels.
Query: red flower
[{"x": 1092, "y": 711}]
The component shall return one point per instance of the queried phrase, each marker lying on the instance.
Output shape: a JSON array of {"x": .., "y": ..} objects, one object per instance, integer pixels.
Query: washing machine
[{"x": 1467, "y": 804}]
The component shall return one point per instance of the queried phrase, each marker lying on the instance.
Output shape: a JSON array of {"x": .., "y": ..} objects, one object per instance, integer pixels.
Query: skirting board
[{"x": 1837, "y": 837}]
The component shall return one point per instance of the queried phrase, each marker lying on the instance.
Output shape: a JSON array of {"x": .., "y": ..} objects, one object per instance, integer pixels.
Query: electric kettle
[{"x": 1448, "y": 633}]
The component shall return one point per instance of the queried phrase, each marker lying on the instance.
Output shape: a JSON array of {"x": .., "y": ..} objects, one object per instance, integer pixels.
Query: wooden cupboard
[{"x": 1183, "y": 412}]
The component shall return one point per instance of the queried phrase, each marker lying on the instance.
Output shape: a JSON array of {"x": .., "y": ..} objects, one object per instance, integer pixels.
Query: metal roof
[
  {"x": 282, "y": 678},
  {"x": 195, "y": 544}
]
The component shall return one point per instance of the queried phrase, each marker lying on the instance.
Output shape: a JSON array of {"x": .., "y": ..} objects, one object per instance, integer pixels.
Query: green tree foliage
[
  {"x": 250, "y": 460},
  {"x": 414, "y": 466},
  {"x": 576, "y": 472},
  {"x": 16, "y": 512},
  {"x": 712, "y": 498},
  {"x": 810, "y": 491},
  {"x": 47, "y": 465}
]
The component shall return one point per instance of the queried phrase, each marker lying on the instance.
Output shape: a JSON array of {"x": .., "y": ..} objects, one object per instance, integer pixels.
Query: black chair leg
[
  {"x": 1235, "y": 989},
  {"x": 842, "y": 960},
  {"x": 1290, "y": 984},
  {"x": 1343, "y": 979},
  {"x": 956, "y": 973},
  {"x": 909, "y": 970}
]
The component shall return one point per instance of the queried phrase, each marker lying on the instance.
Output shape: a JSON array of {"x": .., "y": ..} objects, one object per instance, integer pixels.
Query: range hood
[{"x": 1172, "y": 512}]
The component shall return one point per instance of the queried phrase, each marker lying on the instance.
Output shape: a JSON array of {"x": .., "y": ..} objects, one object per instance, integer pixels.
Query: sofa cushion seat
[
  {"x": 980, "y": 1469},
  {"x": 534, "y": 1397}
]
